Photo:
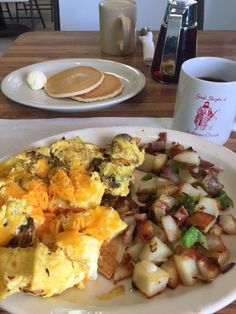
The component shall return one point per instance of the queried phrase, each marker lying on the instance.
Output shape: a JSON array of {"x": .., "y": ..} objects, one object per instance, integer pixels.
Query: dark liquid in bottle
[{"x": 186, "y": 50}]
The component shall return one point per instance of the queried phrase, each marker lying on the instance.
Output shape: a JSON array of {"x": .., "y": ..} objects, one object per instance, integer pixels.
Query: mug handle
[
  {"x": 126, "y": 26},
  {"x": 234, "y": 126}
]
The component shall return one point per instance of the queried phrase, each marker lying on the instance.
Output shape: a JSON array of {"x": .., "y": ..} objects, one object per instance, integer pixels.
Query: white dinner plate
[
  {"x": 200, "y": 299},
  {"x": 15, "y": 87}
]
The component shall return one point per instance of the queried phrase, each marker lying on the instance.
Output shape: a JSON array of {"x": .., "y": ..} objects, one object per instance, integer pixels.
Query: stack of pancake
[{"x": 83, "y": 84}]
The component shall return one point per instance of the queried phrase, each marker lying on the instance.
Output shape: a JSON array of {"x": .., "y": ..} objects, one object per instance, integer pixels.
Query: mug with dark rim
[{"x": 206, "y": 98}]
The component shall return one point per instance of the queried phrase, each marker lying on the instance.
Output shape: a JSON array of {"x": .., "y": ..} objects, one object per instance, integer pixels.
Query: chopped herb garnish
[
  {"x": 188, "y": 202},
  {"x": 47, "y": 271},
  {"x": 225, "y": 200},
  {"x": 148, "y": 176}
]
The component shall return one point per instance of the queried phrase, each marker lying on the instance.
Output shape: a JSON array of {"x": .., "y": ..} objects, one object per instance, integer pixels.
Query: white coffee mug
[
  {"x": 206, "y": 98},
  {"x": 118, "y": 26}
]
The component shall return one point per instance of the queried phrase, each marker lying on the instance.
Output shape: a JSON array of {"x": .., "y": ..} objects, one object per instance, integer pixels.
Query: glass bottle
[{"x": 177, "y": 41}]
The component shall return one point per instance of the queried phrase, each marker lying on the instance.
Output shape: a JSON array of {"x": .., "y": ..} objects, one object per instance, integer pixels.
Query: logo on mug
[{"x": 204, "y": 116}]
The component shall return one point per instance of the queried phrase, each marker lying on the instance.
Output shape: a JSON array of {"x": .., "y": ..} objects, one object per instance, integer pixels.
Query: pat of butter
[{"x": 36, "y": 80}]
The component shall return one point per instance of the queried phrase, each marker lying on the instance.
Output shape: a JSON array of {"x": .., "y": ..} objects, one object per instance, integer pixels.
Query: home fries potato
[{"x": 154, "y": 212}]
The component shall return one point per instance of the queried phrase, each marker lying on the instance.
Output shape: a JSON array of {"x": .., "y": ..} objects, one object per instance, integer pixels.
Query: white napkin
[
  {"x": 148, "y": 47},
  {"x": 15, "y": 135}
]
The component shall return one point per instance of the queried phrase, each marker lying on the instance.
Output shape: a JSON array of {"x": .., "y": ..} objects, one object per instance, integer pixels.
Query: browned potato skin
[
  {"x": 208, "y": 270},
  {"x": 220, "y": 258},
  {"x": 228, "y": 222},
  {"x": 216, "y": 230},
  {"x": 107, "y": 264},
  {"x": 145, "y": 230},
  {"x": 124, "y": 270},
  {"x": 215, "y": 243},
  {"x": 200, "y": 219},
  {"x": 170, "y": 267}
]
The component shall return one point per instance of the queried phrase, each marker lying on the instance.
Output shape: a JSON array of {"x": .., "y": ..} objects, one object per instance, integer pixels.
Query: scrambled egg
[
  {"x": 15, "y": 269},
  {"x": 103, "y": 223},
  {"x": 13, "y": 215},
  {"x": 58, "y": 189},
  {"x": 74, "y": 153},
  {"x": 124, "y": 151},
  {"x": 123, "y": 157},
  {"x": 116, "y": 178}
]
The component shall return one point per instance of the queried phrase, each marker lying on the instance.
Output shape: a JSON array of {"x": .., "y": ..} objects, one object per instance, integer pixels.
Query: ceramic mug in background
[
  {"x": 206, "y": 98},
  {"x": 117, "y": 26}
]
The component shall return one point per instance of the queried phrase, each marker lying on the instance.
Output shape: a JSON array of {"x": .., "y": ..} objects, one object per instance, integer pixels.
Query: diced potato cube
[
  {"x": 187, "y": 269},
  {"x": 221, "y": 258},
  {"x": 201, "y": 220},
  {"x": 208, "y": 205},
  {"x": 107, "y": 263},
  {"x": 159, "y": 162},
  {"x": 216, "y": 230},
  {"x": 155, "y": 251},
  {"x": 147, "y": 187},
  {"x": 171, "y": 228},
  {"x": 208, "y": 270},
  {"x": 145, "y": 230},
  {"x": 160, "y": 233},
  {"x": 135, "y": 250},
  {"x": 160, "y": 182},
  {"x": 149, "y": 278},
  {"x": 202, "y": 192},
  {"x": 188, "y": 189},
  {"x": 123, "y": 271},
  {"x": 185, "y": 176},
  {"x": 159, "y": 208},
  {"x": 169, "y": 200},
  {"x": 215, "y": 243},
  {"x": 147, "y": 165},
  {"x": 169, "y": 189},
  {"x": 170, "y": 267},
  {"x": 228, "y": 222},
  {"x": 188, "y": 157}
]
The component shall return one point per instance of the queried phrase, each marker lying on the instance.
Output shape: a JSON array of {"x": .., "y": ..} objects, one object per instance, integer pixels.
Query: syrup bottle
[{"x": 177, "y": 41}]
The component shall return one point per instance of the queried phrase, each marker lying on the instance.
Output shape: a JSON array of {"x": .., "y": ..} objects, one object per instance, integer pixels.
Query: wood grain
[{"x": 155, "y": 100}]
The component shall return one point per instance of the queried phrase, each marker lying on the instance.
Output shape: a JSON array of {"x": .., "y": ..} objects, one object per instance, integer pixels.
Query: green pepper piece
[
  {"x": 225, "y": 200},
  {"x": 192, "y": 236}
]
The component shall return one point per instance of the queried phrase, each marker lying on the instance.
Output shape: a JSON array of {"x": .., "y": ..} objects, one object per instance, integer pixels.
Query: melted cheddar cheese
[{"x": 57, "y": 188}]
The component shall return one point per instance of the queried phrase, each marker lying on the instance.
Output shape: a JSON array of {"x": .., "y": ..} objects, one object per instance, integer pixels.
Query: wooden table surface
[{"x": 155, "y": 100}]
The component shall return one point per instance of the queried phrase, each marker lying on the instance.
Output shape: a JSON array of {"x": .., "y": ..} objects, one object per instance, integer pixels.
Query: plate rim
[
  {"x": 83, "y": 107},
  {"x": 208, "y": 308}
]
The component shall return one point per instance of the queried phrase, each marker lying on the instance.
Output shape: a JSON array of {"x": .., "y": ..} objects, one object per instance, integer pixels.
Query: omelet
[
  {"x": 35, "y": 161},
  {"x": 74, "y": 153},
  {"x": 116, "y": 178},
  {"x": 69, "y": 265},
  {"x": 52, "y": 224},
  {"x": 75, "y": 189},
  {"x": 125, "y": 151},
  {"x": 123, "y": 156},
  {"x": 16, "y": 267},
  {"x": 45, "y": 272},
  {"x": 102, "y": 223},
  {"x": 75, "y": 245},
  {"x": 13, "y": 215}
]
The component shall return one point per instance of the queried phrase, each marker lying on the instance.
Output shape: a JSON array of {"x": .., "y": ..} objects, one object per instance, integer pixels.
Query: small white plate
[
  {"x": 200, "y": 299},
  {"x": 15, "y": 87}
]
